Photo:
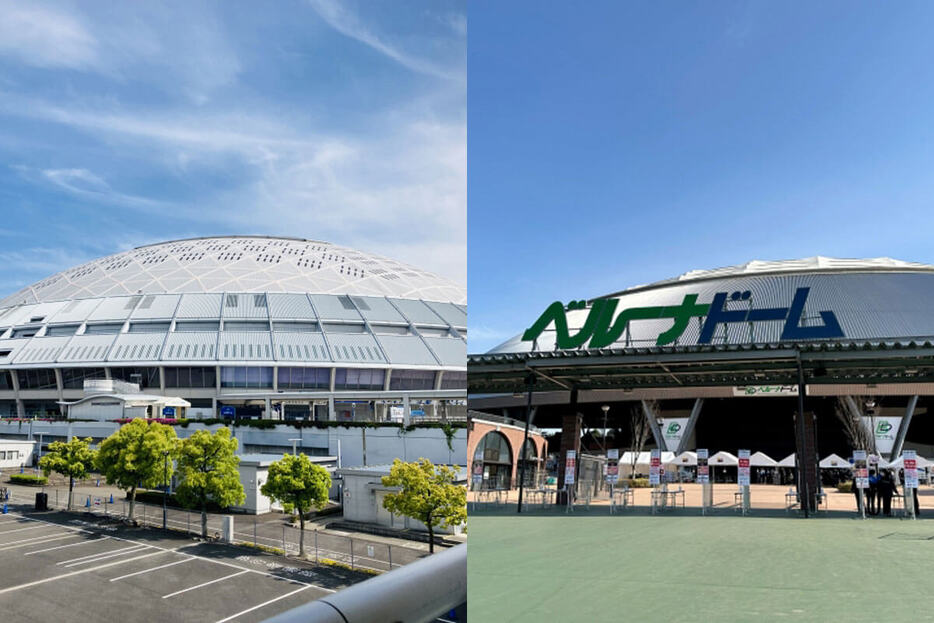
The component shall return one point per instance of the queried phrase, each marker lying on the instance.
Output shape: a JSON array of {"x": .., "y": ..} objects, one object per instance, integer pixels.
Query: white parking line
[
  {"x": 106, "y": 555},
  {"x": 96, "y": 554},
  {"x": 67, "y": 575},
  {"x": 36, "y": 540},
  {"x": 265, "y": 603},
  {"x": 49, "y": 549},
  {"x": 191, "y": 588},
  {"x": 130, "y": 575},
  {"x": 2, "y": 532}
]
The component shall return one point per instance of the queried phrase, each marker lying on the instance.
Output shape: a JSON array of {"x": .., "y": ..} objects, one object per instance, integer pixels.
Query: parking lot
[{"x": 54, "y": 567}]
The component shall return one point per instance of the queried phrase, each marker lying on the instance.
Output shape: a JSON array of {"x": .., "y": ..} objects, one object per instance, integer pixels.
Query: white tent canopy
[
  {"x": 723, "y": 459},
  {"x": 788, "y": 461},
  {"x": 645, "y": 457},
  {"x": 761, "y": 459},
  {"x": 899, "y": 463},
  {"x": 686, "y": 458},
  {"x": 834, "y": 461}
]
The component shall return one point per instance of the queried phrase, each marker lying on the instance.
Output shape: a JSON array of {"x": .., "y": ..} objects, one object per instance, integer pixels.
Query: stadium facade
[
  {"x": 740, "y": 352},
  {"x": 241, "y": 326}
]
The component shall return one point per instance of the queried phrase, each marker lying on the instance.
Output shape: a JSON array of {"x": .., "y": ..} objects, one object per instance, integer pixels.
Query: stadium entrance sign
[{"x": 604, "y": 326}]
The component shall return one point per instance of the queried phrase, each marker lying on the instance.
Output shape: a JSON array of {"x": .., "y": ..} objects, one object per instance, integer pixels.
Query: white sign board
[
  {"x": 703, "y": 471},
  {"x": 911, "y": 469},
  {"x": 673, "y": 431},
  {"x": 884, "y": 430},
  {"x": 655, "y": 467},
  {"x": 612, "y": 466},
  {"x": 860, "y": 469},
  {"x": 766, "y": 390},
  {"x": 570, "y": 467},
  {"x": 743, "y": 468}
]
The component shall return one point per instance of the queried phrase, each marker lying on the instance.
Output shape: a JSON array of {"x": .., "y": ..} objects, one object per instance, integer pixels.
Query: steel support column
[
  {"x": 903, "y": 428},
  {"x": 525, "y": 440},
  {"x": 653, "y": 424},
  {"x": 689, "y": 427}
]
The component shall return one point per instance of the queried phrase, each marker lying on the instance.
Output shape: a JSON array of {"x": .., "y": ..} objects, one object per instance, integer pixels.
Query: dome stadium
[
  {"x": 240, "y": 326},
  {"x": 733, "y": 357}
]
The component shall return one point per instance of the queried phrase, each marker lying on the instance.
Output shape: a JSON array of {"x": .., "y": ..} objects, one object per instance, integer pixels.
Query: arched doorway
[
  {"x": 529, "y": 457},
  {"x": 494, "y": 453}
]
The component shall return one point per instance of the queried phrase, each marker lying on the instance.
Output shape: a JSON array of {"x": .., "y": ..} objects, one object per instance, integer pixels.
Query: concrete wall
[
  {"x": 14, "y": 454},
  {"x": 363, "y": 502}
]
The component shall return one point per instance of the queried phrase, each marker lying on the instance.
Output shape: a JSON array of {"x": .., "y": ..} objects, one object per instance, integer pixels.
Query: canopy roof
[
  {"x": 761, "y": 459},
  {"x": 899, "y": 463},
  {"x": 788, "y": 461},
  {"x": 834, "y": 461},
  {"x": 686, "y": 458},
  {"x": 644, "y": 458},
  {"x": 723, "y": 458}
]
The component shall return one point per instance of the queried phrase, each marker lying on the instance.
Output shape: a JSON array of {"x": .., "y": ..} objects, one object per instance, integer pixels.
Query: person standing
[
  {"x": 871, "y": 493},
  {"x": 886, "y": 489}
]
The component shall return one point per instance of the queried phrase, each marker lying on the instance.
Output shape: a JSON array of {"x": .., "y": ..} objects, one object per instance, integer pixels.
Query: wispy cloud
[
  {"x": 344, "y": 21},
  {"x": 39, "y": 36}
]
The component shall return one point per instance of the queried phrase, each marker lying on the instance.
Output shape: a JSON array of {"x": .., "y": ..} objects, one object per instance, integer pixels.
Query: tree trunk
[
  {"x": 431, "y": 535},
  {"x": 71, "y": 487},
  {"x": 204, "y": 518},
  {"x": 301, "y": 534},
  {"x": 129, "y": 516}
]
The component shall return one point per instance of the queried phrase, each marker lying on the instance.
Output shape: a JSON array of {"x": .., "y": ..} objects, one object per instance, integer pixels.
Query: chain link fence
[{"x": 357, "y": 553}]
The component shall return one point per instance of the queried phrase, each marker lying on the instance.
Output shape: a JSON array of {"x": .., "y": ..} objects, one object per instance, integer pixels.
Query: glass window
[
  {"x": 146, "y": 377},
  {"x": 454, "y": 379},
  {"x": 198, "y": 377},
  {"x": 73, "y": 378},
  {"x": 40, "y": 378},
  {"x": 251, "y": 377},
  {"x": 412, "y": 379},
  {"x": 357, "y": 378},
  {"x": 304, "y": 378},
  {"x": 5, "y": 382}
]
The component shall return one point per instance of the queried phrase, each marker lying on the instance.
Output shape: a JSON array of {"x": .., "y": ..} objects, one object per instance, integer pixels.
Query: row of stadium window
[{"x": 292, "y": 378}]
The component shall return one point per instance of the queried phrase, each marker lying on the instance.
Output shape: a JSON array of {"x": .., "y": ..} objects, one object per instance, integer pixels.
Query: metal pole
[
  {"x": 316, "y": 545},
  {"x": 165, "y": 489},
  {"x": 351, "y": 553},
  {"x": 284, "y": 550},
  {"x": 390, "y": 557},
  {"x": 802, "y": 469},
  {"x": 525, "y": 439},
  {"x": 254, "y": 531}
]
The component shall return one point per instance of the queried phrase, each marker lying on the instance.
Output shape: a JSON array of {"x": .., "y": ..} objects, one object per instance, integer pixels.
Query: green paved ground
[{"x": 671, "y": 568}]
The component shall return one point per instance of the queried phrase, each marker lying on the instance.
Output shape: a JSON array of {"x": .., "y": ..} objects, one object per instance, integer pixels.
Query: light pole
[
  {"x": 40, "y": 452},
  {"x": 606, "y": 409},
  {"x": 294, "y": 440},
  {"x": 165, "y": 489}
]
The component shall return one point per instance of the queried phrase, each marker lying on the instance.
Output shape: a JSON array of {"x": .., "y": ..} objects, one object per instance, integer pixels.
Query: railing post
[
  {"x": 390, "y": 557},
  {"x": 254, "y": 531},
  {"x": 351, "y": 553},
  {"x": 316, "y": 545},
  {"x": 284, "y": 550}
]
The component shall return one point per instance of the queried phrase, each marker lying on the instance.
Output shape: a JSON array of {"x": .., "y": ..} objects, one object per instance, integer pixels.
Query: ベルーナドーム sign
[{"x": 703, "y": 471}]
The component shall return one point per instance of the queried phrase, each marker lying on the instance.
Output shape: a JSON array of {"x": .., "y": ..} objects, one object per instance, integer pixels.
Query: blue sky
[
  {"x": 631, "y": 142},
  {"x": 123, "y": 124}
]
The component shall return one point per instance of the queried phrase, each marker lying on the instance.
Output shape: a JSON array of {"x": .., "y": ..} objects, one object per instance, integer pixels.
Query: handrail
[{"x": 416, "y": 593}]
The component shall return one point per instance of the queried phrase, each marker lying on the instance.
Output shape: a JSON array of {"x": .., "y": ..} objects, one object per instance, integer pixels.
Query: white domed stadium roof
[{"x": 241, "y": 264}]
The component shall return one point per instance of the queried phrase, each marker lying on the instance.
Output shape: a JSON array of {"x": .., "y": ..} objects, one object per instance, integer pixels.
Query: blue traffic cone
[
  {"x": 88, "y": 503},
  {"x": 4, "y": 508},
  {"x": 111, "y": 498}
]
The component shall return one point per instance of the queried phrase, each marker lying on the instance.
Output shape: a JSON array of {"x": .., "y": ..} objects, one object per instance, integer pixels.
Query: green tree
[
  {"x": 73, "y": 459},
  {"x": 207, "y": 468},
  {"x": 297, "y": 483},
  {"x": 427, "y": 493},
  {"x": 135, "y": 456}
]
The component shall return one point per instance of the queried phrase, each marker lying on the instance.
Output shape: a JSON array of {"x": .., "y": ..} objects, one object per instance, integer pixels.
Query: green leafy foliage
[
  {"x": 298, "y": 484},
  {"x": 138, "y": 453},
  {"x": 28, "y": 479},
  {"x": 72, "y": 459},
  {"x": 207, "y": 468},
  {"x": 427, "y": 493}
]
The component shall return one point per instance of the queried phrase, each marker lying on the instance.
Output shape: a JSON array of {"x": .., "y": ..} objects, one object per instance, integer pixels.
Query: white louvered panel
[
  {"x": 417, "y": 312},
  {"x": 190, "y": 346},
  {"x": 156, "y": 306},
  {"x": 330, "y": 308},
  {"x": 305, "y": 346},
  {"x": 137, "y": 347},
  {"x": 290, "y": 307},
  {"x": 14, "y": 346},
  {"x": 201, "y": 306},
  {"x": 86, "y": 348},
  {"x": 114, "y": 308},
  {"x": 40, "y": 349},
  {"x": 246, "y": 305},
  {"x": 377, "y": 309},
  {"x": 75, "y": 311},
  {"x": 23, "y": 314},
  {"x": 245, "y": 346},
  {"x": 451, "y": 314},
  {"x": 355, "y": 348},
  {"x": 406, "y": 349},
  {"x": 451, "y": 351}
]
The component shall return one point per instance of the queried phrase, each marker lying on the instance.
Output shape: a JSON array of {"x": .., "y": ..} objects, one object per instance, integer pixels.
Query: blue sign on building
[
  {"x": 168, "y": 411},
  {"x": 228, "y": 411}
]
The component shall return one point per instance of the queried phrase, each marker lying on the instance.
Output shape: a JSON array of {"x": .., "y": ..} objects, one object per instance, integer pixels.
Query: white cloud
[
  {"x": 41, "y": 37},
  {"x": 345, "y": 22}
]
